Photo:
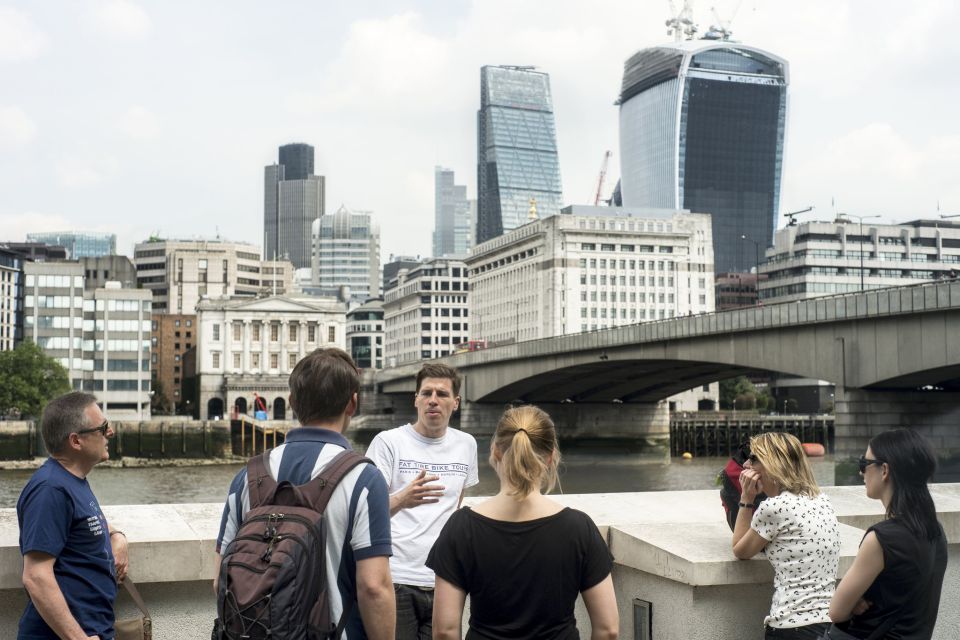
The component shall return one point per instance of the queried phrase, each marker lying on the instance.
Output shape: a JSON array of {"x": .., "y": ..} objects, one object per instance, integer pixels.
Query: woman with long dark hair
[
  {"x": 522, "y": 557},
  {"x": 893, "y": 588}
]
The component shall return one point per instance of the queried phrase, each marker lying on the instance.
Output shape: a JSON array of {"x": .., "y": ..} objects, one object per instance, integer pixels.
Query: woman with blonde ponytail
[{"x": 522, "y": 557}]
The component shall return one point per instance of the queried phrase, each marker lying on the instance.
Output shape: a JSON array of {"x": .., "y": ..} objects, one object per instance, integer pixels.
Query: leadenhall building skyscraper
[{"x": 702, "y": 128}]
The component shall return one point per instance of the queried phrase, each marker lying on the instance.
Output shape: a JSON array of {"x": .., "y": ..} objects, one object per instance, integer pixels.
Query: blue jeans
[
  {"x": 808, "y": 632},
  {"x": 414, "y": 612}
]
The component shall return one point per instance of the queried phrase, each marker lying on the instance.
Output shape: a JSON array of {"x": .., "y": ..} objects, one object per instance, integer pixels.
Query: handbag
[{"x": 136, "y": 628}]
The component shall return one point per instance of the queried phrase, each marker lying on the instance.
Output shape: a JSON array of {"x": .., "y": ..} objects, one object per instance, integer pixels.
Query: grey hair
[{"x": 62, "y": 416}]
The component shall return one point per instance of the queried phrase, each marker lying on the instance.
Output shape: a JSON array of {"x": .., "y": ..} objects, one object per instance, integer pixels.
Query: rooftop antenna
[
  {"x": 681, "y": 25},
  {"x": 792, "y": 216}
]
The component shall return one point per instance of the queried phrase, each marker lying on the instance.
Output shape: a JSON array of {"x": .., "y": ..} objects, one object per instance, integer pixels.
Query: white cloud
[
  {"x": 139, "y": 123},
  {"x": 16, "y": 226},
  {"x": 390, "y": 61},
  {"x": 20, "y": 39},
  {"x": 876, "y": 169},
  {"x": 16, "y": 127},
  {"x": 85, "y": 170},
  {"x": 121, "y": 19}
]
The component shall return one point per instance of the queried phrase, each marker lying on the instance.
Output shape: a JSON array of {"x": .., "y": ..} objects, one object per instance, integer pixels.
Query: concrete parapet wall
[{"x": 671, "y": 549}]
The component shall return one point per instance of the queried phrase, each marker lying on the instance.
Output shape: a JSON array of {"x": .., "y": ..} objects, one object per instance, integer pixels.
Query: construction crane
[
  {"x": 792, "y": 216},
  {"x": 721, "y": 29},
  {"x": 603, "y": 175},
  {"x": 681, "y": 25}
]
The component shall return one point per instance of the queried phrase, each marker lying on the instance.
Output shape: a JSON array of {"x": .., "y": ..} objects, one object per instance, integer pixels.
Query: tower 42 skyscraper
[
  {"x": 516, "y": 150},
  {"x": 702, "y": 128},
  {"x": 293, "y": 197}
]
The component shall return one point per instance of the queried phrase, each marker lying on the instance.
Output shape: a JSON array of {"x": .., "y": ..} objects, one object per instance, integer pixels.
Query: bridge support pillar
[
  {"x": 633, "y": 421},
  {"x": 862, "y": 414}
]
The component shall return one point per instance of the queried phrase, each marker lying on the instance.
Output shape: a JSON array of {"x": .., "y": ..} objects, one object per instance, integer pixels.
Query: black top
[
  {"x": 523, "y": 577},
  {"x": 908, "y": 588}
]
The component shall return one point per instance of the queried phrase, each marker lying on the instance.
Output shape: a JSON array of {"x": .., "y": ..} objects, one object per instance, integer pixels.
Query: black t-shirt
[
  {"x": 909, "y": 563},
  {"x": 523, "y": 577}
]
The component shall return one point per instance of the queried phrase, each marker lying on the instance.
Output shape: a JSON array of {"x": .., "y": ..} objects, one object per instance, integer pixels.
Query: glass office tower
[
  {"x": 702, "y": 128},
  {"x": 516, "y": 150}
]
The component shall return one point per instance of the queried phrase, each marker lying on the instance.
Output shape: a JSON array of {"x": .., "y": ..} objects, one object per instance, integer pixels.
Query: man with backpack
[{"x": 308, "y": 509}]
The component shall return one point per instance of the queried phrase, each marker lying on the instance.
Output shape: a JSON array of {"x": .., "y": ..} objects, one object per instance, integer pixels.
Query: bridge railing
[{"x": 919, "y": 298}]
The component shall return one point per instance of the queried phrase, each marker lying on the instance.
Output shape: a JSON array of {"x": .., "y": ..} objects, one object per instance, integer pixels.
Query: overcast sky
[{"x": 158, "y": 117}]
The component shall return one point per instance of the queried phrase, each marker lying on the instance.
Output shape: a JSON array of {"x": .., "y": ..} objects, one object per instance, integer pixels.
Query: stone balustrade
[{"x": 674, "y": 565}]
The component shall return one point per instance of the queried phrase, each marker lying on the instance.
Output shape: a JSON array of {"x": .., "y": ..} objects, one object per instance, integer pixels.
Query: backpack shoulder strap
[
  {"x": 260, "y": 483},
  {"x": 319, "y": 490}
]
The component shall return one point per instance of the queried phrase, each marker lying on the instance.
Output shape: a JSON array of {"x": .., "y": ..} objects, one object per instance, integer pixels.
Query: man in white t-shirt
[{"x": 427, "y": 467}]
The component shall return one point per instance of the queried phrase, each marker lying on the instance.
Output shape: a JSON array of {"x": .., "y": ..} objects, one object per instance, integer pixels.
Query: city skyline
[{"x": 115, "y": 140}]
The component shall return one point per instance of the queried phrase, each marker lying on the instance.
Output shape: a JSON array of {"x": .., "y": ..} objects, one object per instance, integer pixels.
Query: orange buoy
[{"x": 813, "y": 449}]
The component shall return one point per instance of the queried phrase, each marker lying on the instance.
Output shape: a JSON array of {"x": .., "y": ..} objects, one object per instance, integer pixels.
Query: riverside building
[
  {"x": 11, "y": 299},
  {"x": 702, "y": 128},
  {"x": 425, "y": 311},
  {"x": 100, "y": 336},
  {"x": 247, "y": 346},
  {"x": 822, "y": 258},
  {"x": 590, "y": 268},
  {"x": 365, "y": 334},
  {"x": 516, "y": 149},
  {"x": 180, "y": 273}
]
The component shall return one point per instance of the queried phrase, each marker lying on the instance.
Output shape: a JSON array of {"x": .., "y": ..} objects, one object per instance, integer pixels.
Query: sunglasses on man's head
[
  {"x": 102, "y": 429},
  {"x": 865, "y": 462}
]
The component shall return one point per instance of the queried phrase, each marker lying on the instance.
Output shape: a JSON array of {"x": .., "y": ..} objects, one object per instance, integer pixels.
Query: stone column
[
  {"x": 264, "y": 346},
  {"x": 245, "y": 358},
  {"x": 284, "y": 336},
  {"x": 301, "y": 339}
]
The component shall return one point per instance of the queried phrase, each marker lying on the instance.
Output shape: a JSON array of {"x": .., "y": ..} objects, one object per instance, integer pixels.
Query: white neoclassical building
[{"x": 249, "y": 346}]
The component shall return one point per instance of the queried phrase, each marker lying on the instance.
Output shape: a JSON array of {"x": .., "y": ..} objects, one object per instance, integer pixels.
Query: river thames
[{"x": 584, "y": 469}]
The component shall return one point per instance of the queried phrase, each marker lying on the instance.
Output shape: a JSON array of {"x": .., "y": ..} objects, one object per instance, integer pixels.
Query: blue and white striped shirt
[{"x": 358, "y": 514}]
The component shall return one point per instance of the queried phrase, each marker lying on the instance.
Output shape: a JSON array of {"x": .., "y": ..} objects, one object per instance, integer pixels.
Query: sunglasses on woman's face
[
  {"x": 753, "y": 458},
  {"x": 865, "y": 462}
]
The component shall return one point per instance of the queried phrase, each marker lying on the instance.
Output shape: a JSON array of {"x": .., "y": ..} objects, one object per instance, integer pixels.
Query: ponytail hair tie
[{"x": 519, "y": 429}]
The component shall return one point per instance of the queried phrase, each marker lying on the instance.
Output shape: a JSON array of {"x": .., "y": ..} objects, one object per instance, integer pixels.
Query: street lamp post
[
  {"x": 756, "y": 261},
  {"x": 860, "y": 219}
]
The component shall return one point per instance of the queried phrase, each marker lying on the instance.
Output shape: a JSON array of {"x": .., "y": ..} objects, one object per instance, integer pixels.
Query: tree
[
  {"x": 159, "y": 402},
  {"x": 29, "y": 379},
  {"x": 733, "y": 387}
]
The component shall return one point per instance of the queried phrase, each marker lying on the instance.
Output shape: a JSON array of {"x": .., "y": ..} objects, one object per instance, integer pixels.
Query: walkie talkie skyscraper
[{"x": 702, "y": 128}]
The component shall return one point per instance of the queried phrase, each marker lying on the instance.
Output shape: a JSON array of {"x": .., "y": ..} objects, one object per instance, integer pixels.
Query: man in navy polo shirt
[
  {"x": 323, "y": 393},
  {"x": 71, "y": 558}
]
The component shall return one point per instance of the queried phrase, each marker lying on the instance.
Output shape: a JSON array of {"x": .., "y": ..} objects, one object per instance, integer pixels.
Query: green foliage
[
  {"x": 791, "y": 405},
  {"x": 765, "y": 402},
  {"x": 733, "y": 387},
  {"x": 745, "y": 402},
  {"x": 28, "y": 380},
  {"x": 160, "y": 404}
]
